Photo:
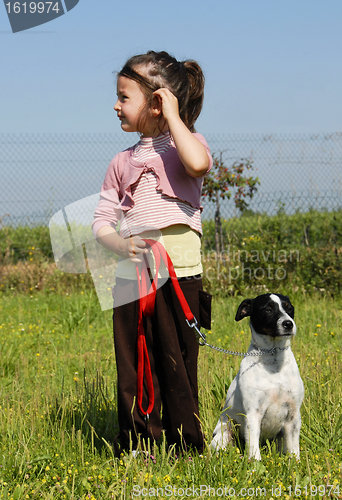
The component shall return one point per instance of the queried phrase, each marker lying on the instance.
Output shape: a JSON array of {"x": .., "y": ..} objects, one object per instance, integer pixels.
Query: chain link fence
[
  {"x": 297, "y": 172},
  {"x": 42, "y": 173}
]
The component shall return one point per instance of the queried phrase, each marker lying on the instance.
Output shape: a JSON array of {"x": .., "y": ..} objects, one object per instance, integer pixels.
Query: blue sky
[{"x": 270, "y": 66}]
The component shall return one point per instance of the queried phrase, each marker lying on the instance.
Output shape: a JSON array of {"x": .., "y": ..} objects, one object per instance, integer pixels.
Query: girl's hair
[{"x": 185, "y": 80}]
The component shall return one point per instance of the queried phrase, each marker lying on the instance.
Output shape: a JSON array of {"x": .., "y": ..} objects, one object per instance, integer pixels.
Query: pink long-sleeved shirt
[{"x": 171, "y": 181}]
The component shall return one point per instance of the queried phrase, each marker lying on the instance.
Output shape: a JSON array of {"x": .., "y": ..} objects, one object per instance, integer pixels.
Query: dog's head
[{"x": 271, "y": 314}]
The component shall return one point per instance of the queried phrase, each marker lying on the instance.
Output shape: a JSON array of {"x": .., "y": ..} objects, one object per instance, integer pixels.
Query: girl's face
[{"x": 129, "y": 105}]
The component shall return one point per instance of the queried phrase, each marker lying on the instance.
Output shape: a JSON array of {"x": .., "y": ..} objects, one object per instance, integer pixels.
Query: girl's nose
[{"x": 117, "y": 106}]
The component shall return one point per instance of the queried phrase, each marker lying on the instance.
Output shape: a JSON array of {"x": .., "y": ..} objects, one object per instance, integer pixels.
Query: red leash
[{"x": 146, "y": 308}]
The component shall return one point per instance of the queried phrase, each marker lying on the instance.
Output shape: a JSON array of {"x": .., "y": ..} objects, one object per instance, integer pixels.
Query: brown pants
[{"x": 173, "y": 353}]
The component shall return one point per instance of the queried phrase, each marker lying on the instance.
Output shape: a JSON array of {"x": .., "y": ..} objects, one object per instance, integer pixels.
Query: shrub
[
  {"x": 264, "y": 252},
  {"x": 260, "y": 252}
]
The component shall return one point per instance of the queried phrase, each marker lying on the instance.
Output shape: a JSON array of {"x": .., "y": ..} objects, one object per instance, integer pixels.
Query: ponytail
[{"x": 195, "y": 93}]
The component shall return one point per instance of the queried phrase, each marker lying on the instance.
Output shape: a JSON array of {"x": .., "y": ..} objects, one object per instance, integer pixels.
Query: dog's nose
[{"x": 287, "y": 325}]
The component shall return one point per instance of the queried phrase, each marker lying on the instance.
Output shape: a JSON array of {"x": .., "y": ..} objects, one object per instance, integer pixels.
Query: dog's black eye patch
[
  {"x": 270, "y": 308},
  {"x": 288, "y": 308},
  {"x": 265, "y": 318}
]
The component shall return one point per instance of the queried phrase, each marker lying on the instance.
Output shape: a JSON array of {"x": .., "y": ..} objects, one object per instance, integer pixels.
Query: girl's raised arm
[{"x": 191, "y": 152}]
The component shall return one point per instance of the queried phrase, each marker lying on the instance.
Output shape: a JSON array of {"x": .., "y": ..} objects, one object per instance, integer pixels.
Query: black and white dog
[{"x": 265, "y": 397}]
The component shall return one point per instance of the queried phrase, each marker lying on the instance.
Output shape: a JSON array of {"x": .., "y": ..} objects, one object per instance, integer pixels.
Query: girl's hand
[
  {"x": 135, "y": 248},
  {"x": 130, "y": 248},
  {"x": 169, "y": 104}
]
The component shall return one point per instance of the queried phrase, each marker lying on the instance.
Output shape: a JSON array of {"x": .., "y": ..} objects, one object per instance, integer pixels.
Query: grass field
[{"x": 58, "y": 410}]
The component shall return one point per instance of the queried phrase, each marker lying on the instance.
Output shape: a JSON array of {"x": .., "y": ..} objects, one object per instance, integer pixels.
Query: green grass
[{"x": 58, "y": 407}]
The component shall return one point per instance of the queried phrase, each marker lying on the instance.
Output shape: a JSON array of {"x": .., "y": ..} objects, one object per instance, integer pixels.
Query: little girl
[{"x": 157, "y": 184}]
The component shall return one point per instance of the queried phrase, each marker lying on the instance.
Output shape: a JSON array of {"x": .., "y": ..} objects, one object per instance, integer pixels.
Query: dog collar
[{"x": 266, "y": 351}]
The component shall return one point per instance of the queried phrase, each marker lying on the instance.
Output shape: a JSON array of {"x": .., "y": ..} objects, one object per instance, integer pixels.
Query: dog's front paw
[
  {"x": 217, "y": 442},
  {"x": 222, "y": 436},
  {"x": 221, "y": 440},
  {"x": 256, "y": 455}
]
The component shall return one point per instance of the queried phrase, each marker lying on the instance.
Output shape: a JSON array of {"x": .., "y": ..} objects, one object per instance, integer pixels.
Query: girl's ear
[{"x": 156, "y": 107}]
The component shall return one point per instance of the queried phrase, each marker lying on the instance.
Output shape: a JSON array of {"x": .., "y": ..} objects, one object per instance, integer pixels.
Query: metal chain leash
[
  {"x": 259, "y": 352},
  {"x": 202, "y": 340}
]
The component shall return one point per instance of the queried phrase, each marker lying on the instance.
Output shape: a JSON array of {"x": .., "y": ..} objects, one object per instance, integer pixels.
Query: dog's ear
[{"x": 244, "y": 309}]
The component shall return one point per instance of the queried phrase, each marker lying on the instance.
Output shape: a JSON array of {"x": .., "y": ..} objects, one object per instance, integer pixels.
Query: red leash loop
[{"x": 146, "y": 308}]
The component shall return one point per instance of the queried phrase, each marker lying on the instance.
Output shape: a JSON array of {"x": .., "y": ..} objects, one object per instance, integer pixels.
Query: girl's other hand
[
  {"x": 191, "y": 152},
  {"x": 129, "y": 248},
  {"x": 135, "y": 248},
  {"x": 169, "y": 103}
]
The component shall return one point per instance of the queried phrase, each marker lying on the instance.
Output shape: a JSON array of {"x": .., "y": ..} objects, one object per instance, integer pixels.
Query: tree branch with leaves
[{"x": 222, "y": 182}]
